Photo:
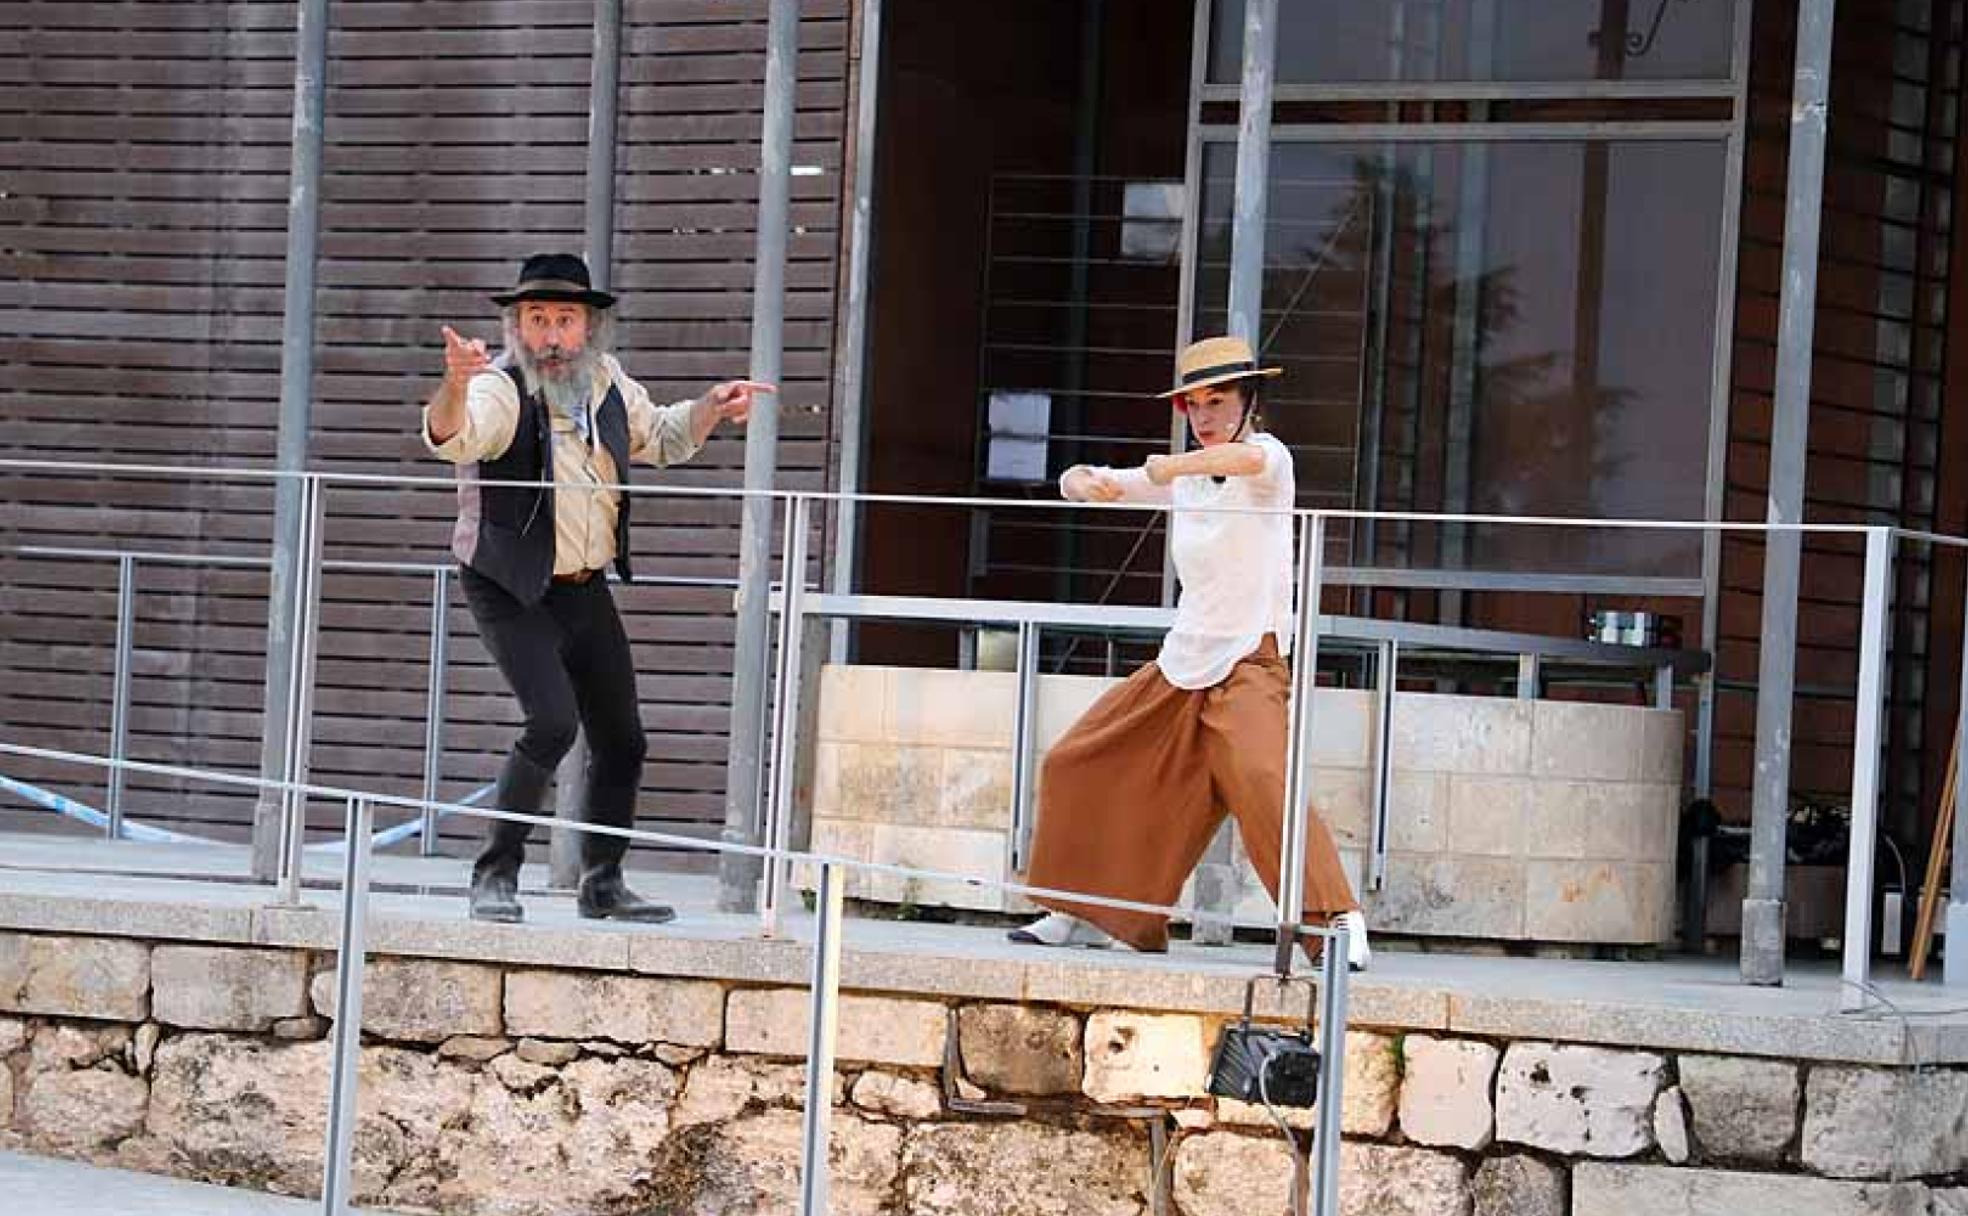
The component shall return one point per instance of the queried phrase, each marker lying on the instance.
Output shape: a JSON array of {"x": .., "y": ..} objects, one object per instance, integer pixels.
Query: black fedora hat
[{"x": 556, "y": 277}]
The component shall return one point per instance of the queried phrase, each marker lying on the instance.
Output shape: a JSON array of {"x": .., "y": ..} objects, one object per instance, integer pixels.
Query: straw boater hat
[
  {"x": 1216, "y": 361},
  {"x": 555, "y": 278}
]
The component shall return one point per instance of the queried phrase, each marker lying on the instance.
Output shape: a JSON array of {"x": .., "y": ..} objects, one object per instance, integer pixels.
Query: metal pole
[
  {"x": 785, "y": 709},
  {"x": 1763, "y": 904},
  {"x": 822, "y": 1023},
  {"x": 1333, "y": 980},
  {"x": 737, "y": 875},
  {"x": 1304, "y": 680},
  {"x": 440, "y": 646},
  {"x": 296, "y": 386},
  {"x": 1253, "y": 171},
  {"x": 1954, "y": 972},
  {"x": 1024, "y": 744},
  {"x": 1868, "y": 715},
  {"x": 349, "y": 961},
  {"x": 300, "y": 690},
  {"x": 119, "y": 695},
  {"x": 851, "y": 360},
  {"x": 1383, "y": 760},
  {"x": 604, "y": 88}
]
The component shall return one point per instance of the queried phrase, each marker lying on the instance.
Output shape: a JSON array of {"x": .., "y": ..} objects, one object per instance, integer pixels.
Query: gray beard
[{"x": 568, "y": 388}]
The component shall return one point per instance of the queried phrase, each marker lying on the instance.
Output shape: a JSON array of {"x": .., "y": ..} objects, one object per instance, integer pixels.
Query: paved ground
[{"x": 38, "y": 1186}]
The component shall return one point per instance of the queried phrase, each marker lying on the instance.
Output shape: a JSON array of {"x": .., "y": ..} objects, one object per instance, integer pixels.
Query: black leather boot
[
  {"x": 604, "y": 896},
  {"x": 495, "y": 897}
]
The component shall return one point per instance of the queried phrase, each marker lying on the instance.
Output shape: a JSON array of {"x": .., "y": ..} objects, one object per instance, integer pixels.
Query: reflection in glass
[
  {"x": 1333, "y": 41},
  {"x": 1521, "y": 328}
]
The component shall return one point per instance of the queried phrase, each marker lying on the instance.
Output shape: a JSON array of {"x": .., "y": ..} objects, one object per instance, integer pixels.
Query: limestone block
[
  {"x": 1022, "y": 1169},
  {"x": 1063, "y": 700},
  {"x": 1743, "y": 1110},
  {"x": 1581, "y": 1101},
  {"x": 1587, "y": 742},
  {"x": 1417, "y": 811},
  {"x": 955, "y": 851},
  {"x": 1671, "y": 1126},
  {"x": 1949, "y": 1201},
  {"x": 974, "y": 789},
  {"x": 1599, "y": 820},
  {"x": 105, "y": 978},
  {"x": 1130, "y": 1056},
  {"x": 547, "y": 1054},
  {"x": 884, "y": 1093},
  {"x": 1878, "y": 1123},
  {"x": 847, "y": 838},
  {"x": 952, "y": 708},
  {"x": 1338, "y": 796},
  {"x": 83, "y": 1112},
  {"x": 1437, "y": 733},
  {"x": 13, "y": 1036},
  {"x": 521, "y": 1076},
  {"x": 1380, "y": 1180},
  {"x": 6, "y": 1097},
  {"x": 752, "y": 1165},
  {"x": 143, "y": 1046},
  {"x": 576, "y": 1144},
  {"x": 625, "y": 1008},
  {"x": 720, "y": 1088},
  {"x": 241, "y": 1110},
  {"x": 871, "y": 1029},
  {"x": 1223, "y": 1174},
  {"x": 1598, "y": 901},
  {"x": 853, "y": 704},
  {"x": 1488, "y": 816},
  {"x": 313, "y": 1026},
  {"x": 422, "y": 1000},
  {"x": 227, "y": 987},
  {"x": 877, "y": 782},
  {"x": 1519, "y": 1186},
  {"x": 1459, "y": 896},
  {"x": 1445, "y": 1095},
  {"x": 475, "y": 1048},
  {"x": 62, "y": 1046},
  {"x": 1373, "y": 1081},
  {"x": 1601, "y": 1189},
  {"x": 1342, "y": 728},
  {"x": 1020, "y": 1049},
  {"x": 1663, "y": 739}
]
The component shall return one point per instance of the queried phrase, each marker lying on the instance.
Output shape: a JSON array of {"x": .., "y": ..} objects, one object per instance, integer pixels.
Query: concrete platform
[
  {"x": 43, "y": 1186},
  {"x": 189, "y": 893}
]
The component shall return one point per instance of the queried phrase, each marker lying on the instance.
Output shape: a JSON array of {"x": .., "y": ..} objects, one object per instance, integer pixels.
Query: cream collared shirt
[{"x": 585, "y": 509}]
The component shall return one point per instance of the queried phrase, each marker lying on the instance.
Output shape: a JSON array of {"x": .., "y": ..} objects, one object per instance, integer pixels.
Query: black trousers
[{"x": 567, "y": 660}]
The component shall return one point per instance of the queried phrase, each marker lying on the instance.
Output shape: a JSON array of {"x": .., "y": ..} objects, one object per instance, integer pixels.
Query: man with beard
[{"x": 555, "y": 407}]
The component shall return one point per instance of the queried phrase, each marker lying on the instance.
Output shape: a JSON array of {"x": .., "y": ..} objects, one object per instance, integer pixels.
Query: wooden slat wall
[
  {"x": 1876, "y": 409},
  {"x": 144, "y": 153}
]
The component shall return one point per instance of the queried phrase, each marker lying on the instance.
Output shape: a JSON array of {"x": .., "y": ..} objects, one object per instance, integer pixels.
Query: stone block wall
[
  {"x": 1510, "y": 820},
  {"x": 532, "y": 1091}
]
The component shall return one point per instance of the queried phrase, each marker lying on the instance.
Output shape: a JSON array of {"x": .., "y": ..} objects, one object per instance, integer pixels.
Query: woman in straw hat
[{"x": 1130, "y": 797}]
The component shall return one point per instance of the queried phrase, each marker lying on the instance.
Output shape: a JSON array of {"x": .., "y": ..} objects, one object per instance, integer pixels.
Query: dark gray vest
[{"x": 513, "y": 542}]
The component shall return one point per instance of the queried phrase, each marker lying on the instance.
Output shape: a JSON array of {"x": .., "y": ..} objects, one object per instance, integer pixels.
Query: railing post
[
  {"x": 1383, "y": 761},
  {"x": 822, "y": 1022},
  {"x": 1024, "y": 735},
  {"x": 785, "y": 710},
  {"x": 349, "y": 962},
  {"x": 119, "y": 696},
  {"x": 1331, "y": 1035},
  {"x": 1868, "y": 715},
  {"x": 440, "y": 634},
  {"x": 1304, "y": 680},
  {"x": 300, "y": 688}
]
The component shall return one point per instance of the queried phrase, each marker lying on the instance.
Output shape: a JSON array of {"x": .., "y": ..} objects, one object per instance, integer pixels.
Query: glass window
[
  {"x": 1522, "y": 328},
  {"x": 1353, "y": 41}
]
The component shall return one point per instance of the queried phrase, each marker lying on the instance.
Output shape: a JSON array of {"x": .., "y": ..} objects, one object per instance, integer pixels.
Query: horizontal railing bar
[{"x": 714, "y": 845}]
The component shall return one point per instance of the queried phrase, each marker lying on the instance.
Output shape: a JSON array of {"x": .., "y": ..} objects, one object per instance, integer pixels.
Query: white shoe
[
  {"x": 1060, "y": 929},
  {"x": 1359, "y": 955}
]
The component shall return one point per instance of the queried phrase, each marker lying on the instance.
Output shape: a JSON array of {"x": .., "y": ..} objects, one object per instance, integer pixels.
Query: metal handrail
[{"x": 351, "y": 952}]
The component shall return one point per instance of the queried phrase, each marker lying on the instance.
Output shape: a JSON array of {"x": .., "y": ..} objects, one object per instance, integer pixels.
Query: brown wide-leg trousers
[{"x": 1131, "y": 795}]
